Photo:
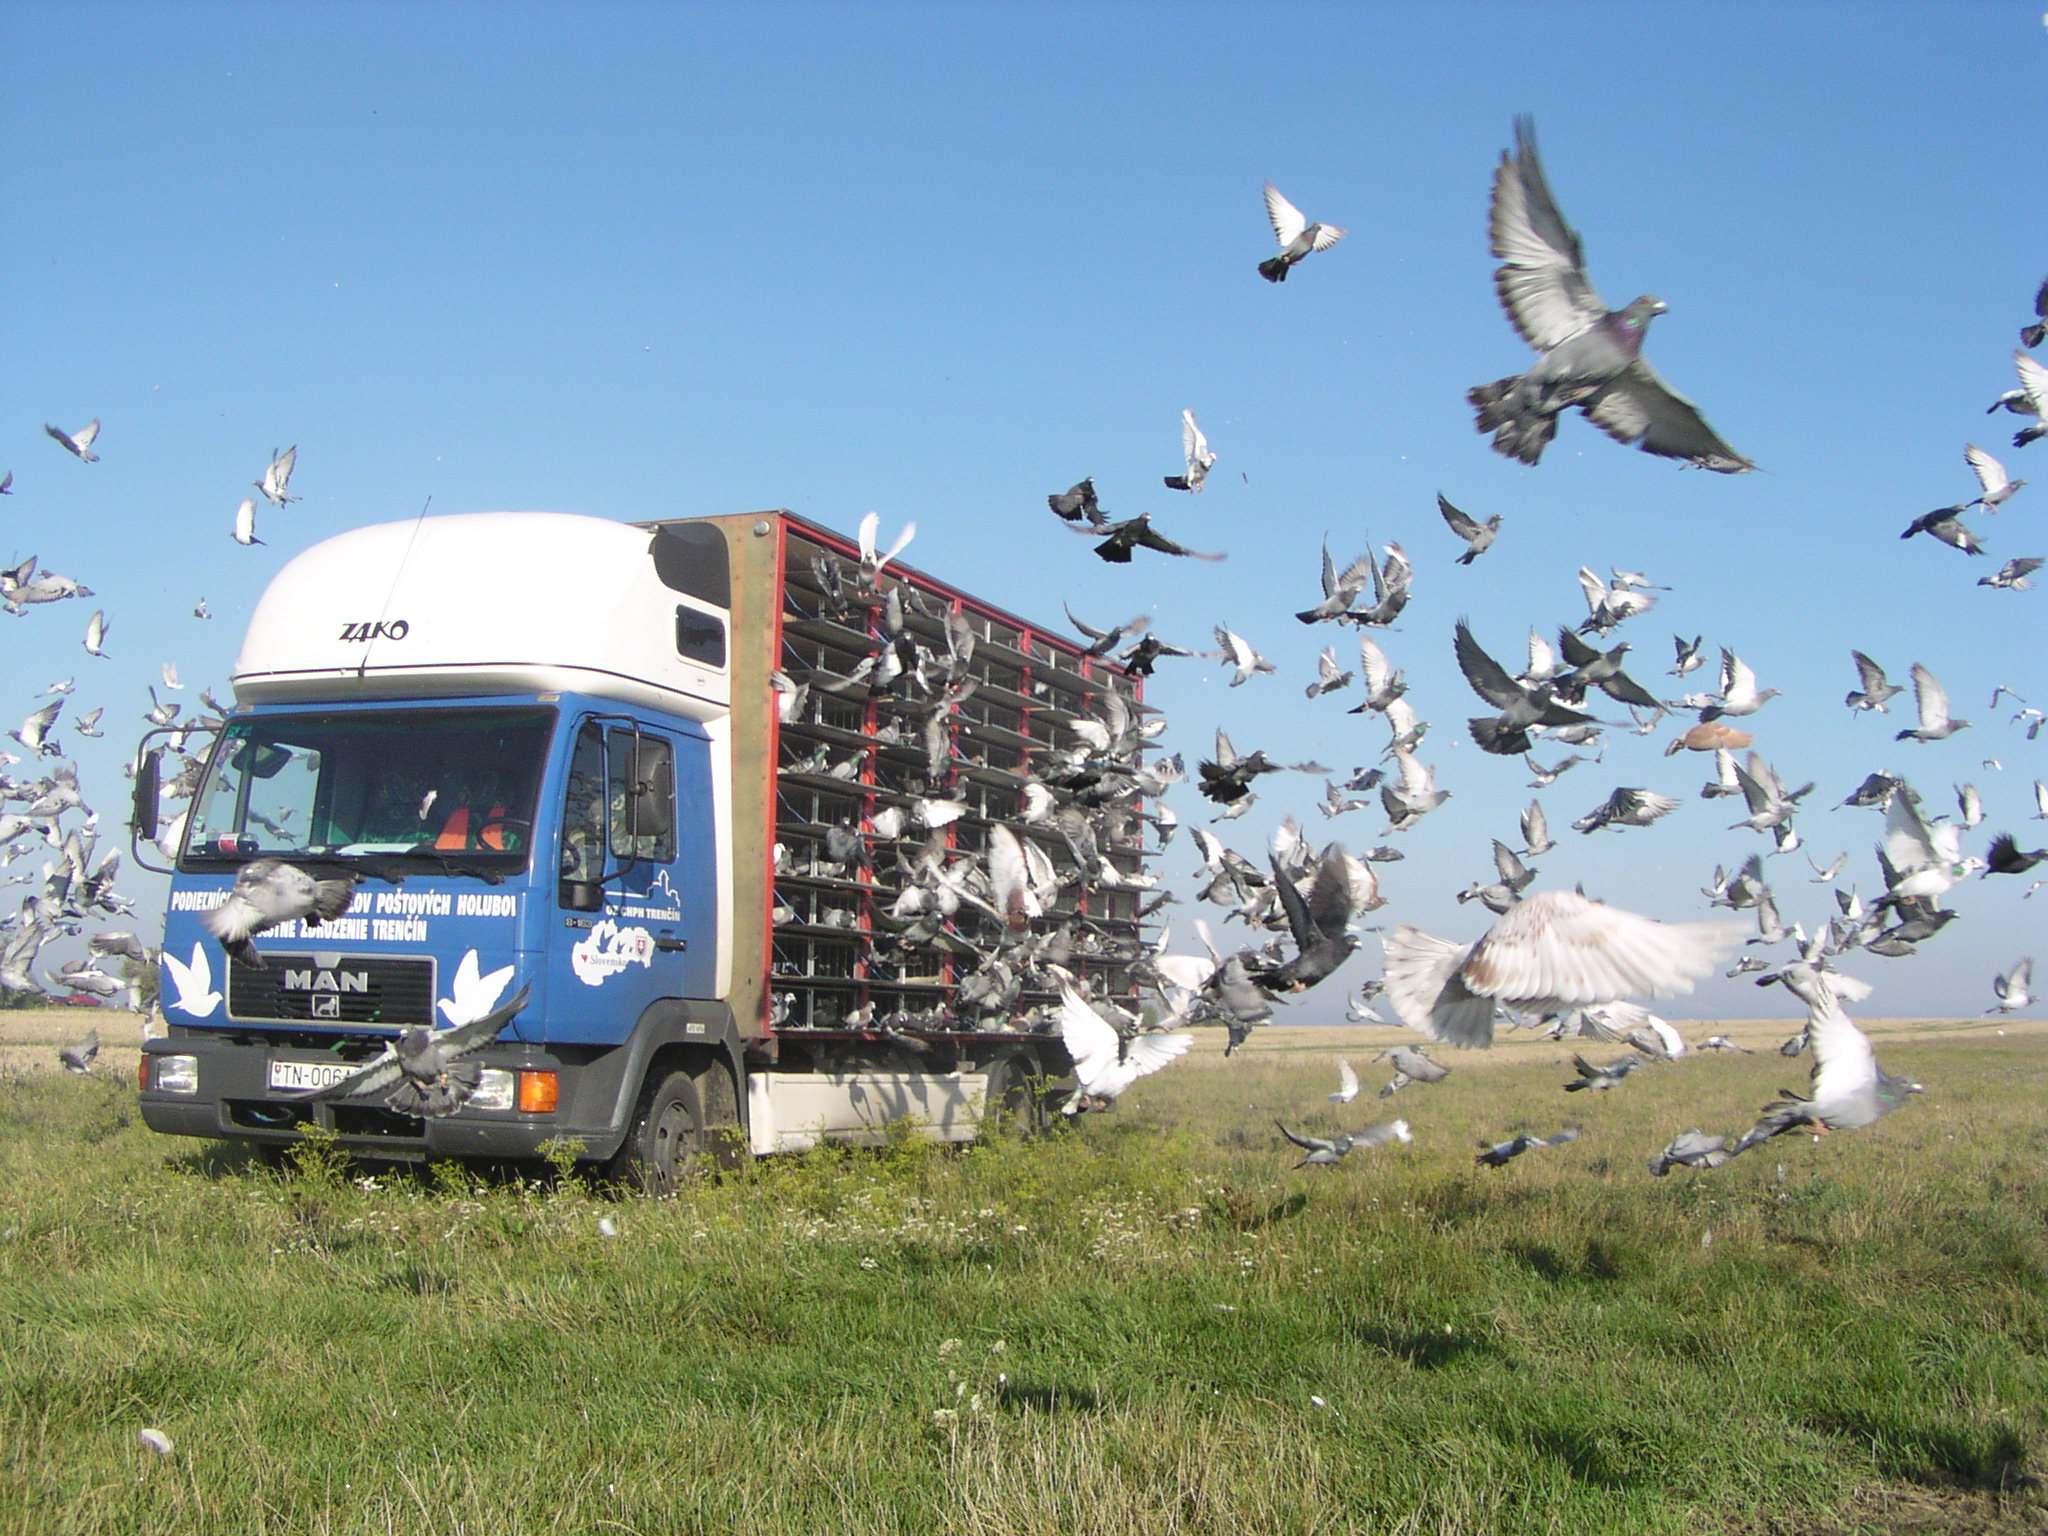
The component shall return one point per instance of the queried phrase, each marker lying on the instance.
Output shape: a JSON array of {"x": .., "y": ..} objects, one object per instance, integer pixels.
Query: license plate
[{"x": 304, "y": 1076}]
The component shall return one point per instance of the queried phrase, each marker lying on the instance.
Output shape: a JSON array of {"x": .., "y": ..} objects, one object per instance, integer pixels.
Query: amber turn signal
[{"x": 539, "y": 1092}]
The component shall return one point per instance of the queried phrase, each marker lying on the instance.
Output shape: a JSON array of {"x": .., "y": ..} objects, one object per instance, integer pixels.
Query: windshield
[{"x": 450, "y": 786}]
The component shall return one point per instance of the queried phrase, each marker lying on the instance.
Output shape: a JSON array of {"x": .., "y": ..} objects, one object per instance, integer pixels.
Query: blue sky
[{"x": 938, "y": 261}]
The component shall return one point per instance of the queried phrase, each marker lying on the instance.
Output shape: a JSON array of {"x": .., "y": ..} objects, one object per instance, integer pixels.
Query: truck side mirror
[{"x": 142, "y": 814}]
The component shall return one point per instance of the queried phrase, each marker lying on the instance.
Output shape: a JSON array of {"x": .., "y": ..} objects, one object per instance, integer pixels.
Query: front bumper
[{"x": 235, "y": 1101}]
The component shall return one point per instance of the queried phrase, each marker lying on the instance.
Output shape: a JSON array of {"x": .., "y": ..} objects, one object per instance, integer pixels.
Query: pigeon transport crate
[{"x": 825, "y": 1008}]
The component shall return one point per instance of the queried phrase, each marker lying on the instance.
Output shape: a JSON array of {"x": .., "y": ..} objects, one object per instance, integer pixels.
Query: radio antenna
[{"x": 363, "y": 666}]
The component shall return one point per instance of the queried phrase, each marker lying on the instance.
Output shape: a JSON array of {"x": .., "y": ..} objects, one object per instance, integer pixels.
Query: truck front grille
[{"x": 334, "y": 989}]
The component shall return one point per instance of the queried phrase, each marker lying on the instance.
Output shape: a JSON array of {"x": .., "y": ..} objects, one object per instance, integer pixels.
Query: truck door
[{"x": 635, "y": 887}]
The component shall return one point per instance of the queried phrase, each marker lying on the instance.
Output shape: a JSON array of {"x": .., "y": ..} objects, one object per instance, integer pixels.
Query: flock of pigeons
[
  {"x": 43, "y": 810},
  {"x": 1555, "y": 959}
]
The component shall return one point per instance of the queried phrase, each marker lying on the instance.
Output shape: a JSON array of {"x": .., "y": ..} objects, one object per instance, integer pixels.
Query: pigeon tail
[
  {"x": 1518, "y": 431},
  {"x": 1274, "y": 270}
]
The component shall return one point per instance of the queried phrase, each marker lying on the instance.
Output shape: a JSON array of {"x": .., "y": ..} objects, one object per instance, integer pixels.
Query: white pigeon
[
  {"x": 245, "y": 523},
  {"x": 872, "y": 561},
  {"x": 1930, "y": 699},
  {"x": 1239, "y": 653},
  {"x": 1296, "y": 235},
  {"x": 194, "y": 983},
  {"x": 1347, "y": 1083},
  {"x": 1924, "y": 860},
  {"x": 1195, "y": 449},
  {"x": 96, "y": 633},
  {"x": 277, "y": 477},
  {"x": 2014, "y": 988},
  {"x": 1105, "y": 1062},
  {"x": 1551, "y": 951},
  {"x": 170, "y": 671},
  {"x": 79, "y": 443},
  {"x": 1998, "y": 485}
]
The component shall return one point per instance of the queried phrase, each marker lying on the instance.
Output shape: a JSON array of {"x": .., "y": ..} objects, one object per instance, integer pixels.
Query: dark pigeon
[{"x": 1590, "y": 356}]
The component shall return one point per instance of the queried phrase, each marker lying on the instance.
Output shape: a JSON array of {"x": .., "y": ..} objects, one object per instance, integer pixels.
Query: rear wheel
[{"x": 666, "y": 1139}]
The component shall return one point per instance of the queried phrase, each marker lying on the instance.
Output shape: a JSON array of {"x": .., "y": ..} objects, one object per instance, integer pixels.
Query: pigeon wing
[
  {"x": 1288, "y": 222},
  {"x": 1638, "y": 407},
  {"x": 1542, "y": 282},
  {"x": 1561, "y": 945}
]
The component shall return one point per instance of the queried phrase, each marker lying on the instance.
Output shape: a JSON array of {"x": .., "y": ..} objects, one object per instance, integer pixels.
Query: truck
[{"x": 697, "y": 787}]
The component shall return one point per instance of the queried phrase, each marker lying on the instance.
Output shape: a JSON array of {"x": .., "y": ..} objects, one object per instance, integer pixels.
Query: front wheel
[{"x": 667, "y": 1137}]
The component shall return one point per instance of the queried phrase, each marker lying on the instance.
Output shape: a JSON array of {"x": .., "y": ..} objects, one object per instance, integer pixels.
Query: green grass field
[{"x": 1150, "y": 1323}]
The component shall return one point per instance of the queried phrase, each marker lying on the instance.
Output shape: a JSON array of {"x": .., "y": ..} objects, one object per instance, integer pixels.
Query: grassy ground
[{"x": 1153, "y": 1323}]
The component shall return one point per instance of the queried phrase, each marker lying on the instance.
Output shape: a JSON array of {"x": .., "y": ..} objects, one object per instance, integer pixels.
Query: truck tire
[
  {"x": 666, "y": 1141},
  {"x": 1015, "y": 1101},
  {"x": 724, "y": 1138}
]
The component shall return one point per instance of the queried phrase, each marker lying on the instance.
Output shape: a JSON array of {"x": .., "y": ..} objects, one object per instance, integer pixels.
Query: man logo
[{"x": 325, "y": 981}]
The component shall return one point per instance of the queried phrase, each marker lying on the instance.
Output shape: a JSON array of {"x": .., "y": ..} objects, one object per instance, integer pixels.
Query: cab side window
[{"x": 583, "y": 817}]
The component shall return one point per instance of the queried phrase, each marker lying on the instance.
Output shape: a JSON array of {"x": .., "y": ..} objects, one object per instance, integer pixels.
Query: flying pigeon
[
  {"x": 1347, "y": 1083},
  {"x": 277, "y": 477},
  {"x": 1323, "y": 1153},
  {"x": 78, "y": 1058},
  {"x": 1849, "y": 1088},
  {"x": 1589, "y": 356},
  {"x": 1077, "y": 504},
  {"x": 1946, "y": 524},
  {"x": 1477, "y": 535},
  {"x": 1873, "y": 688},
  {"x": 1119, "y": 539},
  {"x": 268, "y": 892},
  {"x": 1551, "y": 951},
  {"x": 1106, "y": 1062},
  {"x": 78, "y": 444},
  {"x": 1998, "y": 485},
  {"x": 1602, "y": 1078},
  {"x": 1296, "y": 235},
  {"x": 424, "y": 1070},
  {"x": 245, "y": 523},
  {"x": 2013, "y": 575},
  {"x": 1501, "y": 1153},
  {"x": 1931, "y": 700},
  {"x": 1692, "y": 1148},
  {"x": 1410, "y": 1066},
  {"x": 2013, "y": 989},
  {"x": 2033, "y": 335},
  {"x": 1195, "y": 449},
  {"x": 2030, "y": 399}
]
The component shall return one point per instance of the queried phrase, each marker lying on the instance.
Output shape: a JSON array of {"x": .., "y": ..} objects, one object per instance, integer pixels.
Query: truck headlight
[
  {"x": 174, "y": 1074},
  {"x": 494, "y": 1089}
]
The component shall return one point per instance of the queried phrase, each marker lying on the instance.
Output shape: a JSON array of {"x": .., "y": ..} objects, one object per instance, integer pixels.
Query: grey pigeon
[
  {"x": 1119, "y": 539},
  {"x": 1873, "y": 688},
  {"x": 2033, "y": 335},
  {"x": 1946, "y": 524},
  {"x": 1501, "y": 1153},
  {"x": 1478, "y": 536},
  {"x": 1692, "y": 1148},
  {"x": 268, "y": 892},
  {"x": 424, "y": 1070},
  {"x": 1600, "y": 1078},
  {"x": 78, "y": 1058},
  {"x": 1077, "y": 504},
  {"x": 1589, "y": 356},
  {"x": 1410, "y": 1066},
  {"x": 2030, "y": 399},
  {"x": 1324, "y": 1153},
  {"x": 1628, "y": 806}
]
